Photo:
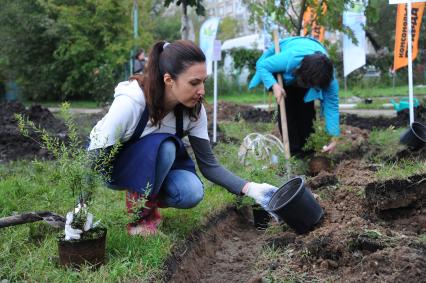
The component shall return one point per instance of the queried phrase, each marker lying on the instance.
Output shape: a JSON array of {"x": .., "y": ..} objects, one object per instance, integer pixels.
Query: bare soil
[
  {"x": 353, "y": 243},
  {"x": 234, "y": 112},
  {"x": 401, "y": 120},
  {"x": 372, "y": 231},
  {"x": 13, "y": 145}
]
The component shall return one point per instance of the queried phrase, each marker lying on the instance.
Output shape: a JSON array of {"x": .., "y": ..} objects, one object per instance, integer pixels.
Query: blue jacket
[{"x": 293, "y": 50}]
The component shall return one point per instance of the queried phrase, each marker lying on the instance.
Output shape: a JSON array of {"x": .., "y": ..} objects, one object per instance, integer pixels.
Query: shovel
[{"x": 283, "y": 113}]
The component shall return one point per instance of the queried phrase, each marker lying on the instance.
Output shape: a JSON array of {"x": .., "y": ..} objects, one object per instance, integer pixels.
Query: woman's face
[{"x": 188, "y": 88}]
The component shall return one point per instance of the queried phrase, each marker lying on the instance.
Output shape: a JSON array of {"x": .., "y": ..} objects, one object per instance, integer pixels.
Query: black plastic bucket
[
  {"x": 415, "y": 136},
  {"x": 295, "y": 204},
  {"x": 261, "y": 217}
]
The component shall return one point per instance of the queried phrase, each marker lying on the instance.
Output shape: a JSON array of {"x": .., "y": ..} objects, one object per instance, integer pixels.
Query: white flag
[
  {"x": 354, "y": 55},
  {"x": 207, "y": 37}
]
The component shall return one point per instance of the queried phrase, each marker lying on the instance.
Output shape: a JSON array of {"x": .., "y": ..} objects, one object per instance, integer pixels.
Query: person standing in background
[{"x": 139, "y": 61}]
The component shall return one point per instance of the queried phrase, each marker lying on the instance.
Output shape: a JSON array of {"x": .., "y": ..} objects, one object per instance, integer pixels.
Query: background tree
[
  {"x": 199, "y": 10},
  {"x": 289, "y": 13},
  {"x": 165, "y": 27},
  {"x": 228, "y": 28},
  {"x": 59, "y": 49}
]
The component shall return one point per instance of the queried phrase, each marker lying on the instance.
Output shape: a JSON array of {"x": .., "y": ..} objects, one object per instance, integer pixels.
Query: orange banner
[
  {"x": 400, "y": 58},
  {"x": 309, "y": 19}
]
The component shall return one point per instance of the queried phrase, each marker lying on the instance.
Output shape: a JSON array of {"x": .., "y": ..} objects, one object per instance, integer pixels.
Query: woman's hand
[
  {"x": 329, "y": 148},
  {"x": 261, "y": 193},
  {"x": 279, "y": 92}
]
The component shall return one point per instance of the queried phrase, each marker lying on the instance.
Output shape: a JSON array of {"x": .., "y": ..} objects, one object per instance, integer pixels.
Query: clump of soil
[
  {"x": 394, "y": 193},
  {"x": 401, "y": 120},
  {"x": 13, "y": 145},
  {"x": 323, "y": 179},
  {"x": 319, "y": 163}
]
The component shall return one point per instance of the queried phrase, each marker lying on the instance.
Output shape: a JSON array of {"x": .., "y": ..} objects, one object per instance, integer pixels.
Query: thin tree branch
[{"x": 50, "y": 218}]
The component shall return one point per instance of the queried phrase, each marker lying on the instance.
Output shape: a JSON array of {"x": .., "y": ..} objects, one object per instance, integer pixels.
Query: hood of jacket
[{"x": 132, "y": 90}]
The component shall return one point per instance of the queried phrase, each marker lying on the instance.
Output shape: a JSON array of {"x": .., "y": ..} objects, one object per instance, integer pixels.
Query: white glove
[
  {"x": 89, "y": 222},
  {"x": 261, "y": 193},
  {"x": 71, "y": 233}
]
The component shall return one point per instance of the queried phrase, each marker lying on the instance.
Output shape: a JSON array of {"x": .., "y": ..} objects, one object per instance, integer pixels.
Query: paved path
[
  {"x": 345, "y": 109},
  {"x": 78, "y": 110},
  {"x": 349, "y": 108},
  {"x": 370, "y": 112}
]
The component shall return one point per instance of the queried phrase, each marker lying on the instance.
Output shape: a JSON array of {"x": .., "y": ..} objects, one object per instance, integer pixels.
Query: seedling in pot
[{"x": 76, "y": 172}]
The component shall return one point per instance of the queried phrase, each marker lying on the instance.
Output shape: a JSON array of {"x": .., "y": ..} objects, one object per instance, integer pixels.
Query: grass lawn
[
  {"x": 28, "y": 252},
  {"x": 259, "y": 97}
]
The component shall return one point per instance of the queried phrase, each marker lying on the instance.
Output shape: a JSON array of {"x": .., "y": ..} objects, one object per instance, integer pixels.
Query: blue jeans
[{"x": 176, "y": 188}]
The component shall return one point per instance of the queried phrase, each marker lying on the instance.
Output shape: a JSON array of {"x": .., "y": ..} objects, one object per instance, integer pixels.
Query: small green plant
[
  {"x": 318, "y": 138},
  {"x": 75, "y": 168},
  {"x": 139, "y": 204}
]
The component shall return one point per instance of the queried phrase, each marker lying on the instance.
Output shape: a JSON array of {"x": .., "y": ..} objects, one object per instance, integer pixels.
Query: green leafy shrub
[
  {"x": 74, "y": 168},
  {"x": 318, "y": 138}
]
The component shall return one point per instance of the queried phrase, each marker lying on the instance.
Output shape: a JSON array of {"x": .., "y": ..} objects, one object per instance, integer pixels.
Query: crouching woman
[{"x": 149, "y": 116}]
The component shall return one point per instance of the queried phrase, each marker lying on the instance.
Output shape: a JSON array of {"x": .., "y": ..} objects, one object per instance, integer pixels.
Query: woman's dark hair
[
  {"x": 139, "y": 52},
  {"x": 173, "y": 58},
  {"x": 316, "y": 70}
]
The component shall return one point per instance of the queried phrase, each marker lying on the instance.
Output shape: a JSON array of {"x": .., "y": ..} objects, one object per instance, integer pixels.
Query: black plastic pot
[
  {"x": 415, "y": 136},
  {"x": 78, "y": 252},
  {"x": 368, "y": 101},
  {"x": 295, "y": 204},
  {"x": 261, "y": 217}
]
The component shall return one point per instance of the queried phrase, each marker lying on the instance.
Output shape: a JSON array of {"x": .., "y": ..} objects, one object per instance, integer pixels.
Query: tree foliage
[
  {"x": 228, "y": 28},
  {"x": 72, "y": 49},
  {"x": 199, "y": 10},
  {"x": 289, "y": 13}
]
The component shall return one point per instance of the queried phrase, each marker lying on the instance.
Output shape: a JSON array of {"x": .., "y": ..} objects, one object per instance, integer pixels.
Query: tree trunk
[
  {"x": 185, "y": 21},
  {"x": 50, "y": 218},
  {"x": 300, "y": 19}
]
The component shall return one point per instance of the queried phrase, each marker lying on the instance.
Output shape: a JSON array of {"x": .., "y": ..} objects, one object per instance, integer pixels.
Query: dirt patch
[
  {"x": 13, "y": 145},
  {"x": 406, "y": 193},
  {"x": 227, "y": 111},
  {"x": 401, "y": 120},
  {"x": 229, "y": 245}
]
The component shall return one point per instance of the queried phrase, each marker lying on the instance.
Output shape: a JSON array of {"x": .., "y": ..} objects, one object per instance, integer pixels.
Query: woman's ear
[{"x": 168, "y": 80}]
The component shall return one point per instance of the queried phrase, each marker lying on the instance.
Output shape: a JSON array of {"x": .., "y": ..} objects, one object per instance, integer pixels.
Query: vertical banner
[
  {"x": 309, "y": 19},
  {"x": 400, "y": 56},
  {"x": 354, "y": 54},
  {"x": 208, "y": 33}
]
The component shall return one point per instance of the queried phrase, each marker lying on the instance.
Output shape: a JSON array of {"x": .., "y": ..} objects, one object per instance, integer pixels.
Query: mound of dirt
[
  {"x": 395, "y": 193},
  {"x": 227, "y": 111},
  {"x": 369, "y": 123},
  {"x": 353, "y": 243},
  {"x": 13, "y": 145}
]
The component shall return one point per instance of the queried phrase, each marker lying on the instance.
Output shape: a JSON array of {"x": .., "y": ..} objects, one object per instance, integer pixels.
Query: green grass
[
  {"x": 29, "y": 186},
  {"x": 380, "y": 92},
  {"x": 401, "y": 169},
  {"x": 25, "y": 187},
  {"x": 259, "y": 97},
  {"x": 242, "y": 98},
  {"x": 74, "y": 104}
]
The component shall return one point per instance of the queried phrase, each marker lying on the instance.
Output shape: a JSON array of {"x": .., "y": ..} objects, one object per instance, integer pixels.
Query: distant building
[{"x": 230, "y": 8}]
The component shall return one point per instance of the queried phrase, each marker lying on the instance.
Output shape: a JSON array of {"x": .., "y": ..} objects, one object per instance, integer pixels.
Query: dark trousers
[{"x": 300, "y": 118}]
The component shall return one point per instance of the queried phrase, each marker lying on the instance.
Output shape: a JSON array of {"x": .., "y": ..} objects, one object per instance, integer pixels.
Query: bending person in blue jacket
[{"x": 308, "y": 74}]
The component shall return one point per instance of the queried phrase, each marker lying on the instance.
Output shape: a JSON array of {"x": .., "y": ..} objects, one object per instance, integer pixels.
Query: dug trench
[
  {"x": 372, "y": 231},
  {"x": 224, "y": 250},
  {"x": 353, "y": 243}
]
